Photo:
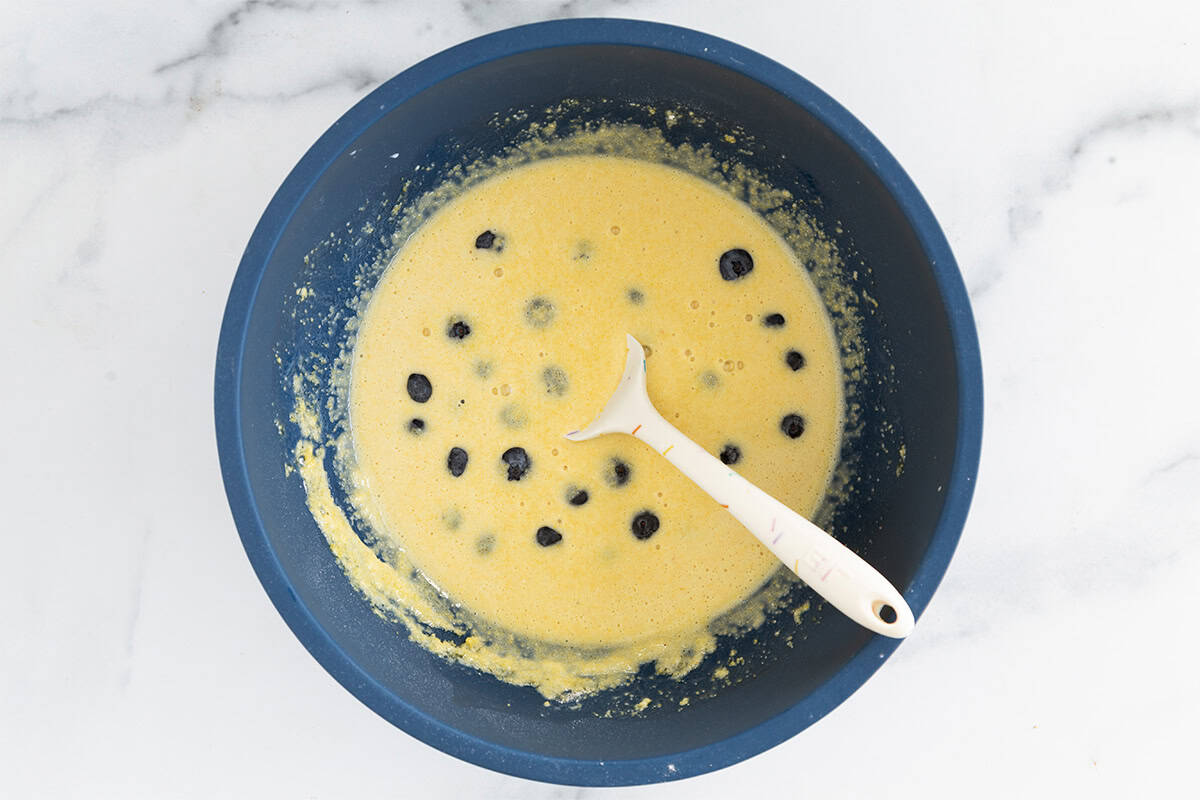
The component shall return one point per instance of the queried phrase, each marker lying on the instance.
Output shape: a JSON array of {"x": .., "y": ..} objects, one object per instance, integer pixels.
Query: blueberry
[
  {"x": 555, "y": 379},
  {"x": 416, "y": 426},
  {"x": 636, "y": 296},
  {"x": 453, "y": 518},
  {"x": 517, "y": 461},
  {"x": 730, "y": 455},
  {"x": 485, "y": 544},
  {"x": 710, "y": 379},
  {"x": 618, "y": 474},
  {"x": 539, "y": 312},
  {"x": 644, "y": 525},
  {"x": 513, "y": 416},
  {"x": 577, "y": 496},
  {"x": 735, "y": 264},
  {"x": 547, "y": 536},
  {"x": 792, "y": 425},
  {"x": 774, "y": 321},
  {"x": 457, "y": 329},
  {"x": 457, "y": 461},
  {"x": 419, "y": 388},
  {"x": 794, "y": 359},
  {"x": 485, "y": 240}
]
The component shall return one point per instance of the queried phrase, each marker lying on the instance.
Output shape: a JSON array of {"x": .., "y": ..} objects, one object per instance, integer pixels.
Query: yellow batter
[{"x": 501, "y": 324}]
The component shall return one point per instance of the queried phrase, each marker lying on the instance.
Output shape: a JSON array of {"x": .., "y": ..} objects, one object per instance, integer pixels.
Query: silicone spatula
[{"x": 834, "y": 571}]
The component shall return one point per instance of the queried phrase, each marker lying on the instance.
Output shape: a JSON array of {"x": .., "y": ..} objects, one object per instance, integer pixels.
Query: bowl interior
[{"x": 911, "y": 395}]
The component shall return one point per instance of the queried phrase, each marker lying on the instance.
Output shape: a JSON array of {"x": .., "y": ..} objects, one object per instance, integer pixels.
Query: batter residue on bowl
[{"x": 498, "y": 326}]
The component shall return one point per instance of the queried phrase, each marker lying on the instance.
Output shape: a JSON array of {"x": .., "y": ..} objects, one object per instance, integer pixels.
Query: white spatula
[{"x": 850, "y": 584}]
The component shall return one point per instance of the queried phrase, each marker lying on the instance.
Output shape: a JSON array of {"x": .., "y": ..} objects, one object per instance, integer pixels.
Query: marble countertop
[{"x": 1059, "y": 144}]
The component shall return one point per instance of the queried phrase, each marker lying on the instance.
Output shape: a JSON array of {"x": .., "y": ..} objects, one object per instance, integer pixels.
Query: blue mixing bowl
[{"x": 924, "y": 387}]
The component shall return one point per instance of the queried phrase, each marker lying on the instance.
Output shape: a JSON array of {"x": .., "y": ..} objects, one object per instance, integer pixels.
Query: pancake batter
[{"x": 501, "y": 324}]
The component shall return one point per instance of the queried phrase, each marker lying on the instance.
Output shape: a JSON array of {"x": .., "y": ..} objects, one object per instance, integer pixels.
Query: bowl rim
[{"x": 262, "y": 243}]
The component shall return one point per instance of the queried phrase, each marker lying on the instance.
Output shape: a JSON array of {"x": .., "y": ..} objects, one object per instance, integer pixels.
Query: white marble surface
[{"x": 1060, "y": 147}]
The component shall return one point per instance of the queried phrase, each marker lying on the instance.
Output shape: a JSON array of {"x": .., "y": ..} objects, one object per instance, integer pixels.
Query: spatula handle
[{"x": 834, "y": 571}]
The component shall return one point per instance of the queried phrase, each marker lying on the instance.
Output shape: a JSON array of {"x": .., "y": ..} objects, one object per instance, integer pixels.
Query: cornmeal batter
[{"x": 501, "y": 324}]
